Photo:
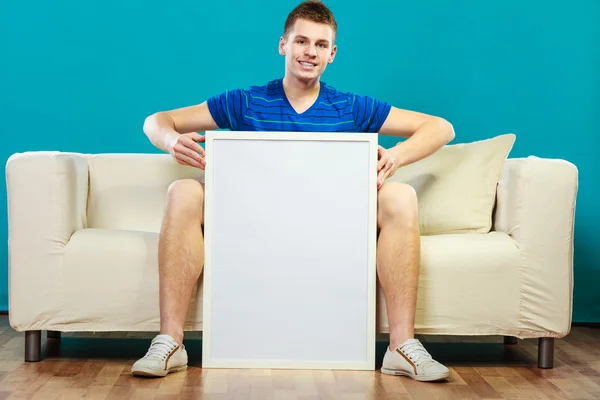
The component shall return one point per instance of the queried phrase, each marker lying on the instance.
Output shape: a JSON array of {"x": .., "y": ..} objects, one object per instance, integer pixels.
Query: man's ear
[
  {"x": 333, "y": 53},
  {"x": 282, "y": 46}
]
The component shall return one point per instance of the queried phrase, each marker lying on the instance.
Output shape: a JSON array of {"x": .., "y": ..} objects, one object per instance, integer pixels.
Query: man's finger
[
  {"x": 380, "y": 177},
  {"x": 197, "y": 148},
  {"x": 390, "y": 165},
  {"x": 191, "y": 153},
  {"x": 192, "y": 139},
  {"x": 382, "y": 162},
  {"x": 189, "y": 161},
  {"x": 194, "y": 147},
  {"x": 386, "y": 171},
  {"x": 189, "y": 149}
]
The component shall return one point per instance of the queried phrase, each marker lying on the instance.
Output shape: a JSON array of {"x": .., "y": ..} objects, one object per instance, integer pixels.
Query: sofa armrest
[
  {"x": 536, "y": 206},
  {"x": 47, "y": 196}
]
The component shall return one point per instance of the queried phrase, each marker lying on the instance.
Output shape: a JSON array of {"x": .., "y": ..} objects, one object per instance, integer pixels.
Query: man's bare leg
[
  {"x": 180, "y": 253},
  {"x": 398, "y": 257},
  {"x": 180, "y": 262}
]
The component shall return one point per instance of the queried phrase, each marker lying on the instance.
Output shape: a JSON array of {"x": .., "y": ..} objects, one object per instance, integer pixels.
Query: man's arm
[
  {"x": 425, "y": 135},
  {"x": 163, "y": 128}
]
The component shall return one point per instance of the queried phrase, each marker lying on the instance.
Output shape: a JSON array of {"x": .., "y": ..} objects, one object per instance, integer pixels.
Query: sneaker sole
[
  {"x": 430, "y": 378},
  {"x": 157, "y": 373}
]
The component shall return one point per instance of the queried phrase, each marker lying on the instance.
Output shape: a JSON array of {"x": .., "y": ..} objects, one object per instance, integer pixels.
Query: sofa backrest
[
  {"x": 128, "y": 191},
  {"x": 456, "y": 187}
]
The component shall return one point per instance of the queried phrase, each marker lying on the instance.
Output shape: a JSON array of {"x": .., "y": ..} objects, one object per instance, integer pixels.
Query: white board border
[{"x": 210, "y": 138}]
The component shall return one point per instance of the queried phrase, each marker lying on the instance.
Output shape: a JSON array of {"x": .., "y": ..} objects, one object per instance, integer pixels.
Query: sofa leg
[
  {"x": 33, "y": 346},
  {"x": 53, "y": 334},
  {"x": 510, "y": 340},
  {"x": 546, "y": 353}
]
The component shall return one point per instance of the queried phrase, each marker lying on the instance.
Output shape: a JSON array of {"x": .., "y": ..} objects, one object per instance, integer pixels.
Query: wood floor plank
[
  {"x": 479, "y": 385},
  {"x": 98, "y": 366}
]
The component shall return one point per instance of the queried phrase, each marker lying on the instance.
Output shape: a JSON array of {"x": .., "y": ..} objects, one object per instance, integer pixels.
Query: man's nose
[{"x": 311, "y": 50}]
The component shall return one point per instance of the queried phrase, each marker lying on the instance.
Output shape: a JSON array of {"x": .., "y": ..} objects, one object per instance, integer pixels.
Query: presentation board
[{"x": 290, "y": 240}]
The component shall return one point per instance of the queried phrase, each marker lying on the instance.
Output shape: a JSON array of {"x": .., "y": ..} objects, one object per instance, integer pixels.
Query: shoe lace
[
  {"x": 159, "y": 349},
  {"x": 416, "y": 352}
]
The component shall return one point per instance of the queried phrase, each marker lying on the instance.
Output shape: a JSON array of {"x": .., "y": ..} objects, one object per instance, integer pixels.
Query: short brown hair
[{"x": 312, "y": 10}]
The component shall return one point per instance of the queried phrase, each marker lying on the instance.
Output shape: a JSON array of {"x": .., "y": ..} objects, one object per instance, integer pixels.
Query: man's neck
[{"x": 296, "y": 89}]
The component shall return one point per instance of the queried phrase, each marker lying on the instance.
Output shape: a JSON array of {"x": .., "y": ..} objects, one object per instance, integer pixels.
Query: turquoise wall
[{"x": 82, "y": 76}]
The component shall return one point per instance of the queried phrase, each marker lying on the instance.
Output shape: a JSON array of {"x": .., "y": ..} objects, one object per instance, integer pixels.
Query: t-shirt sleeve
[
  {"x": 227, "y": 109},
  {"x": 369, "y": 113}
]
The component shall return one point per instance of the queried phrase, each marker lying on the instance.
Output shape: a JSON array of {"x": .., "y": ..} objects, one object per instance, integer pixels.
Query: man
[{"x": 297, "y": 102}]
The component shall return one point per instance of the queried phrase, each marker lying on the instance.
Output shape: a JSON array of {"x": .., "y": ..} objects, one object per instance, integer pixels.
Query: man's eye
[{"x": 300, "y": 41}]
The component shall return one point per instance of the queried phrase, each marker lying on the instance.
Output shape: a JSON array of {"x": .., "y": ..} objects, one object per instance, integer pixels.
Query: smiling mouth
[{"x": 307, "y": 64}]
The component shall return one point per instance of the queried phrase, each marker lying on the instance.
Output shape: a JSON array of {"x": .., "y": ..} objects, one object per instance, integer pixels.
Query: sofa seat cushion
[
  {"x": 123, "y": 266},
  {"x": 469, "y": 284}
]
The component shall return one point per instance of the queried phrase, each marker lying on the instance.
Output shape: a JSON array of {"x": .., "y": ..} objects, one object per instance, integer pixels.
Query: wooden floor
[{"x": 98, "y": 367}]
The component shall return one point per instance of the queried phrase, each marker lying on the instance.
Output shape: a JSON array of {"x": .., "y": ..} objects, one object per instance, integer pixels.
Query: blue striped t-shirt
[{"x": 266, "y": 108}]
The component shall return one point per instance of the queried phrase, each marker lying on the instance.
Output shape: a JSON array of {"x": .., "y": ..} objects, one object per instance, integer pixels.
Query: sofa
[{"x": 496, "y": 243}]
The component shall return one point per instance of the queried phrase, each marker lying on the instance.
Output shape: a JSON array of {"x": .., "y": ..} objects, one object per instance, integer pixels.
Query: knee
[
  {"x": 185, "y": 193},
  {"x": 397, "y": 200}
]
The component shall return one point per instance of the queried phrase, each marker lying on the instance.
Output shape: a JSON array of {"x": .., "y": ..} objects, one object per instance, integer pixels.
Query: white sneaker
[
  {"x": 411, "y": 359},
  {"x": 164, "y": 356}
]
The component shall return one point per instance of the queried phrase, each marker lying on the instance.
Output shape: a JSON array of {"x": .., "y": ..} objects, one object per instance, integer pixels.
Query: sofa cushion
[
  {"x": 468, "y": 284},
  {"x": 456, "y": 186},
  {"x": 110, "y": 281},
  {"x": 128, "y": 191}
]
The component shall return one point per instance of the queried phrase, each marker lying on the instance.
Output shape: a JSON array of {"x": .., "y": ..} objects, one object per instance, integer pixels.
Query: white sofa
[{"x": 83, "y": 234}]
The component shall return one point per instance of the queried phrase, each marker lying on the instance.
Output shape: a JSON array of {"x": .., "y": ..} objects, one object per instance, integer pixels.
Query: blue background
[{"x": 82, "y": 76}]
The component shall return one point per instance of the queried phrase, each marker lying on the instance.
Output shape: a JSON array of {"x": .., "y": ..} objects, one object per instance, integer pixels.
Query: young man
[{"x": 299, "y": 101}]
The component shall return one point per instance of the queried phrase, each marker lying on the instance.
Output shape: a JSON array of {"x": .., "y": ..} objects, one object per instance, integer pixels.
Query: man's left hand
[{"x": 386, "y": 166}]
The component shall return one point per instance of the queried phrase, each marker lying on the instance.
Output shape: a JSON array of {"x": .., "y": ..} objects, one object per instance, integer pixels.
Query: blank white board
[{"x": 290, "y": 240}]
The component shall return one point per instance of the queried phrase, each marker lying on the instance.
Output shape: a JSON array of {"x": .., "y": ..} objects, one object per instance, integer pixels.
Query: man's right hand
[{"x": 185, "y": 149}]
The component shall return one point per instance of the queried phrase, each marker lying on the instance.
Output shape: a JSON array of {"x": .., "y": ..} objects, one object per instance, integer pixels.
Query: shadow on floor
[{"x": 455, "y": 354}]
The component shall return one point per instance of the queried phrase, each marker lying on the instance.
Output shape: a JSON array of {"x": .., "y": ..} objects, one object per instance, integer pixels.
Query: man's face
[{"x": 308, "y": 49}]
